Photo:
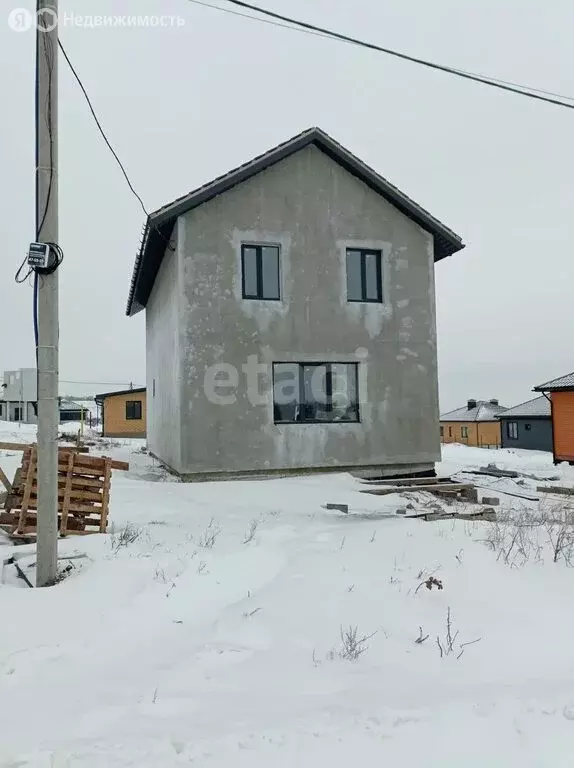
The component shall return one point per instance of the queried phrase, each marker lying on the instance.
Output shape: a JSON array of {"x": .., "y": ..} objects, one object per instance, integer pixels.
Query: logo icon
[{"x": 20, "y": 20}]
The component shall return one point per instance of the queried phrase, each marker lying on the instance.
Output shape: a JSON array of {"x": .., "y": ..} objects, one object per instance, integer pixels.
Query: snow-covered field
[{"x": 194, "y": 645}]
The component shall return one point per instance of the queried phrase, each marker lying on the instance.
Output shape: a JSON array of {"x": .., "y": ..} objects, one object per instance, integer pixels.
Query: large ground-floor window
[{"x": 315, "y": 392}]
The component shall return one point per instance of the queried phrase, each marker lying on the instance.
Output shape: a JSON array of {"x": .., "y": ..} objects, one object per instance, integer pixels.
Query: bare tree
[
  {"x": 251, "y": 531},
  {"x": 209, "y": 536},
  {"x": 353, "y": 645}
]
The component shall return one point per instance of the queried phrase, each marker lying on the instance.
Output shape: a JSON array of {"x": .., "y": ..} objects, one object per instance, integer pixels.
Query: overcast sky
[{"x": 184, "y": 104}]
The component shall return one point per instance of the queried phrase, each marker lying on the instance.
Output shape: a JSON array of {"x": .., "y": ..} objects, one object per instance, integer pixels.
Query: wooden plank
[
  {"x": 73, "y": 506},
  {"x": 85, "y": 465},
  {"x": 66, "y": 498},
  {"x": 74, "y": 524},
  {"x": 24, "y": 446},
  {"x": 13, "y": 446},
  {"x": 99, "y": 461},
  {"x": 431, "y": 488},
  {"x": 27, "y": 491},
  {"x": 106, "y": 496},
  {"x": 508, "y": 493},
  {"x": 407, "y": 481},
  {"x": 4, "y": 480},
  {"x": 63, "y": 465},
  {"x": 560, "y": 490},
  {"x": 496, "y": 472},
  {"x": 9, "y": 502},
  {"x": 74, "y": 493}
]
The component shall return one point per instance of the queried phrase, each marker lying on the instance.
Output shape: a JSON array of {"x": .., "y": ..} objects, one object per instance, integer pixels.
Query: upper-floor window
[
  {"x": 315, "y": 392},
  {"x": 133, "y": 410},
  {"x": 364, "y": 275},
  {"x": 260, "y": 272}
]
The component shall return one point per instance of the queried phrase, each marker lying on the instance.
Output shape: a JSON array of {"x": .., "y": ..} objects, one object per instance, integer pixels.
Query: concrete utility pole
[{"x": 47, "y": 232}]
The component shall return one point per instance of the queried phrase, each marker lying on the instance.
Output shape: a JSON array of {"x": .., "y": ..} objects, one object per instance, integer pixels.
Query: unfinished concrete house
[{"x": 290, "y": 319}]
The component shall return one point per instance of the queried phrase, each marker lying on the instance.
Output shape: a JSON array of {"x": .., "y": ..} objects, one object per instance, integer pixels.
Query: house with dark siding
[{"x": 528, "y": 425}]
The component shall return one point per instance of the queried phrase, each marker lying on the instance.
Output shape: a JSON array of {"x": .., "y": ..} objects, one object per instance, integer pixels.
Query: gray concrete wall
[
  {"x": 20, "y": 384},
  {"x": 163, "y": 350},
  {"x": 9, "y": 412},
  {"x": 313, "y": 209},
  {"x": 537, "y": 438}
]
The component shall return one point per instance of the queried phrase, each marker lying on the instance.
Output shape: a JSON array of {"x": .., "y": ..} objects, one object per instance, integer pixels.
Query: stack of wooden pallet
[{"x": 83, "y": 493}]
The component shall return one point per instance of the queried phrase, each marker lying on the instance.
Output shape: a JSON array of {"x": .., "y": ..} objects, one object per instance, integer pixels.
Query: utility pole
[{"x": 47, "y": 297}]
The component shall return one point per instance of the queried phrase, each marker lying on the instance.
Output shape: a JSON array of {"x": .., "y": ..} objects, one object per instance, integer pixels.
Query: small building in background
[
  {"x": 528, "y": 425},
  {"x": 561, "y": 393},
  {"x": 19, "y": 401},
  {"x": 72, "y": 411},
  {"x": 476, "y": 424},
  {"x": 123, "y": 414}
]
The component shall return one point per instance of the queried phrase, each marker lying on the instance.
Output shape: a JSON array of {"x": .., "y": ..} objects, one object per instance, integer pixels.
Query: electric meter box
[{"x": 39, "y": 256}]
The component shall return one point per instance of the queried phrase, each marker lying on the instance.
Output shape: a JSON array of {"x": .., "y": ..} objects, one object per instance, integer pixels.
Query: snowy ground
[{"x": 170, "y": 652}]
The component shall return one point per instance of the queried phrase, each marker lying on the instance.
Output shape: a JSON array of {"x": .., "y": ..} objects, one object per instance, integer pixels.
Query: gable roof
[
  {"x": 67, "y": 404},
  {"x": 537, "y": 408},
  {"x": 138, "y": 390},
  {"x": 564, "y": 382},
  {"x": 159, "y": 226},
  {"x": 484, "y": 411}
]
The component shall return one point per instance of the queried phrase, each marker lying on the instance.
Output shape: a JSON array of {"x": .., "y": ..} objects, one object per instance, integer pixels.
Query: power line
[
  {"x": 539, "y": 94},
  {"x": 112, "y": 150},
  {"x": 102, "y": 383},
  {"x": 262, "y": 21},
  {"x": 101, "y": 130}
]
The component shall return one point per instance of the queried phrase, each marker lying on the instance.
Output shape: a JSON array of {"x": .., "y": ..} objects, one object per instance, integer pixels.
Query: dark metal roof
[
  {"x": 159, "y": 226},
  {"x": 564, "y": 382},
  {"x": 539, "y": 408},
  {"x": 103, "y": 395}
]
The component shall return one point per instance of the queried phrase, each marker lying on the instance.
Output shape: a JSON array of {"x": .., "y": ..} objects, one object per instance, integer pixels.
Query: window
[
  {"x": 527, "y": 427},
  {"x": 512, "y": 430},
  {"x": 133, "y": 410},
  {"x": 17, "y": 414},
  {"x": 442, "y": 431},
  {"x": 464, "y": 432},
  {"x": 364, "y": 281},
  {"x": 260, "y": 271},
  {"x": 315, "y": 392},
  {"x": 450, "y": 431}
]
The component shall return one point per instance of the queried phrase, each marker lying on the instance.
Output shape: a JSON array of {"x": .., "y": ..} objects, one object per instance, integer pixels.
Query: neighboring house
[
  {"x": 561, "y": 394},
  {"x": 123, "y": 414},
  {"x": 19, "y": 396},
  {"x": 72, "y": 411},
  {"x": 290, "y": 319},
  {"x": 528, "y": 425},
  {"x": 475, "y": 424},
  {"x": 19, "y": 402}
]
